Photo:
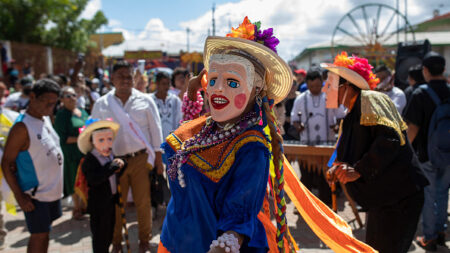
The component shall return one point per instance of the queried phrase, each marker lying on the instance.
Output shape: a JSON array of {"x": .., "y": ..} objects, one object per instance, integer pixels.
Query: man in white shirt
[
  {"x": 387, "y": 87},
  {"x": 316, "y": 122},
  {"x": 169, "y": 105},
  {"x": 138, "y": 142}
]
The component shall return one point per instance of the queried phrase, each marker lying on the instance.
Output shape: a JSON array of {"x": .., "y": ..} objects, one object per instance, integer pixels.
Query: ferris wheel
[{"x": 372, "y": 25}]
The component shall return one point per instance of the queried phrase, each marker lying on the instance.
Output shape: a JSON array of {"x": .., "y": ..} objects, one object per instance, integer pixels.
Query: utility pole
[
  {"x": 406, "y": 19},
  {"x": 187, "y": 37},
  {"x": 398, "y": 20},
  {"x": 213, "y": 20}
]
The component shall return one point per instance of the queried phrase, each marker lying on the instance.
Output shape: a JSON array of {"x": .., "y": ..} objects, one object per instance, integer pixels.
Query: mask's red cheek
[{"x": 240, "y": 100}]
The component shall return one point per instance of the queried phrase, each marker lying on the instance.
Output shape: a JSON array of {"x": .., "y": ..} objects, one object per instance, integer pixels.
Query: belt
[{"x": 130, "y": 155}]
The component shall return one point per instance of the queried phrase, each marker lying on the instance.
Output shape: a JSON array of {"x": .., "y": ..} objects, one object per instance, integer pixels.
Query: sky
[{"x": 162, "y": 25}]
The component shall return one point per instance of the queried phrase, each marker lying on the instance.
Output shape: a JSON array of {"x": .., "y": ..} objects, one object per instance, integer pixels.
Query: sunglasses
[{"x": 70, "y": 95}]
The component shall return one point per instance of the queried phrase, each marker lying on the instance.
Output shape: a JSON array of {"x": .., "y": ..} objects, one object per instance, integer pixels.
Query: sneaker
[
  {"x": 441, "y": 239},
  {"x": 430, "y": 245}
]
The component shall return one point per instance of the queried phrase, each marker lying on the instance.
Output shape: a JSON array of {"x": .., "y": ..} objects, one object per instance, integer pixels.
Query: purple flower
[{"x": 267, "y": 38}]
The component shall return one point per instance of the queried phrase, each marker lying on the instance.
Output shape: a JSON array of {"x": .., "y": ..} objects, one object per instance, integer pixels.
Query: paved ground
[{"x": 72, "y": 236}]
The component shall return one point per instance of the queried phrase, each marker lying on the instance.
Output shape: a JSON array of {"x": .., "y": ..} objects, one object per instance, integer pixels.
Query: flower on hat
[
  {"x": 359, "y": 65},
  {"x": 246, "y": 30},
  {"x": 252, "y": 31},
  {"x": 89, "y": 122}
]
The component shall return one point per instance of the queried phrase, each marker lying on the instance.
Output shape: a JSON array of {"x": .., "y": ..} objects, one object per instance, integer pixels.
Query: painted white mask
[
  {"x": 331, "y": 89},
  {"x": 103, "y": 141},
  {"x": 230, "y": 83}
]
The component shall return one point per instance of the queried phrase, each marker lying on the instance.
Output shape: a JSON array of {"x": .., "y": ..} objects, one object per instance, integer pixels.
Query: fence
[{"x": 46, "y": 60}]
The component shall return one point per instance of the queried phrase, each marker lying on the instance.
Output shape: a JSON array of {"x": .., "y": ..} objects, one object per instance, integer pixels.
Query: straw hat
[
  {"x": 84, "y": 139},
  {"x": 278, "y": 79},
  {"x": 348, "y": 74},
  {"x": 354, "y": 69}
]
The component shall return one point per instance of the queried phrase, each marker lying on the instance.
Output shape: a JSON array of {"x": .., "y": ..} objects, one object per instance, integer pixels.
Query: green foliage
[{"x": 50, "y": 22}]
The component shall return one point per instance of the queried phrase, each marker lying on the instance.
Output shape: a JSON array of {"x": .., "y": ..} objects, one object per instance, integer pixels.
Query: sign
[{"x": 147, "y": 55}]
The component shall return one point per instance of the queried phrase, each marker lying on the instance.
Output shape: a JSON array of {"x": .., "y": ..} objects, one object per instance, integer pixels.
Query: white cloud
[
  {"x": 91, "y": 8},
  {"x": 114, "y": 23},
  {"x": 297, "y": 24}
]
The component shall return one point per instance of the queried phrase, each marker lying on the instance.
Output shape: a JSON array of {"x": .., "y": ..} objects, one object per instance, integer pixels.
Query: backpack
[{"x": 439, "y": 131}]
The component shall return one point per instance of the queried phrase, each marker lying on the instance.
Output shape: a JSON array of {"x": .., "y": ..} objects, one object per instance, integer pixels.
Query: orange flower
[
  {"x": 373, "y": 81},
  {"x": 343, "y": 60},
  {"x": 246, "y": 30}
]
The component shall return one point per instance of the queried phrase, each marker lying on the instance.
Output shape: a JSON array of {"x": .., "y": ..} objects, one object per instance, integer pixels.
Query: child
[{"x": 100, "y": 169}]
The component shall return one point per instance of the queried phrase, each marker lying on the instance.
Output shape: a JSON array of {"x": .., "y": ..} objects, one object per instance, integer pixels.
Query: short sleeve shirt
[{"x": 419, "y": 112}]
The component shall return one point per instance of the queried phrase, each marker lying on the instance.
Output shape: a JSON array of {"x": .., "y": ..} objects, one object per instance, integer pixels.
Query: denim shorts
[{"x": 40, "y": 219}]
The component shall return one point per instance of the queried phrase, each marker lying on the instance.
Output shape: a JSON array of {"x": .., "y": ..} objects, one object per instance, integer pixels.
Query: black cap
[{"x": 432, "y": 59}]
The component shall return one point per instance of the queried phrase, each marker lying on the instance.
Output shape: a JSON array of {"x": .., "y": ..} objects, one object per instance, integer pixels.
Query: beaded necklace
[{"x": 210, "y": 135}]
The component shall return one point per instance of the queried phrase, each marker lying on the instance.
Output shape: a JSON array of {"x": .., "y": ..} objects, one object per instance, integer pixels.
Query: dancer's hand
[
  {"x": 343, "y": 173},
  {"x": 217, "y": 250},
  {"x": 195, "y": 83}
]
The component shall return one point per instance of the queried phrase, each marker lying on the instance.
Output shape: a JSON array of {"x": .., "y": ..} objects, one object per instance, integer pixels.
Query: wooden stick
[
  {"x": 352, "y": 204},
  {"x": 333, "y": 197}
]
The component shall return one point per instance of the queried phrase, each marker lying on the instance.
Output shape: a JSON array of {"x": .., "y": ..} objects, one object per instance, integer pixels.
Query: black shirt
[
  {"x": 409, "y": 91},
  {"x": 419, "y": 112},
  {"x": 389, "y": 171}
]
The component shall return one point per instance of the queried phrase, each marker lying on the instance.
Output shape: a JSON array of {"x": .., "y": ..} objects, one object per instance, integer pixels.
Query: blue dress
[{"x": 208, "y": 206}]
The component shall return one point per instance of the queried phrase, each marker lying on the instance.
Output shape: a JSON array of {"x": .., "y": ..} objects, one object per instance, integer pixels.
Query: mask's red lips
[{"x": 219, "y": 102}]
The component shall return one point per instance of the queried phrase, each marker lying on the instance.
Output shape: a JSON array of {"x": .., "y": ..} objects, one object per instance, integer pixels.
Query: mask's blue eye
[
  {"x": 212, "y": 82},
  {"x": 233, "y": 83}
]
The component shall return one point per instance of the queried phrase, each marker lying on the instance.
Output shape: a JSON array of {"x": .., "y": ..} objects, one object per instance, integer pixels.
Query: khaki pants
[{"x": 136, "y": 177}]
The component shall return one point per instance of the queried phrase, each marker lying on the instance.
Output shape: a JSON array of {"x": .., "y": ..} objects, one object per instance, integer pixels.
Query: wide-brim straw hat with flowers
[
  {"x": 354, "y": 69},
  {"x": 261, "y": 45},
  {"x": 84, "y": 139}
]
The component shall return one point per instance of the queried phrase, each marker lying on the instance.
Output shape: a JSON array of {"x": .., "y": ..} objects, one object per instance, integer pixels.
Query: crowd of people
[{"x": 111, "y": 129}]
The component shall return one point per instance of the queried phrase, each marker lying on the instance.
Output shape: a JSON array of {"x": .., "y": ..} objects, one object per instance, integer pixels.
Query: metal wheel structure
[{"x": 370, "y": 27}]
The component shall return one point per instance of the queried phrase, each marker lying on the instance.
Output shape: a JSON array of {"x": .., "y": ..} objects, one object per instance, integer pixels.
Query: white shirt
[
  {"x": 142, "y": 109},
  {"x": 81, "y": 102},
  {"x": 95, "y": 95},
  {"x": 15, "y": 101},
  {"x": 316, "y": 118},
  {"x": 46, "y": 155},
  {"x": 398, "y": 97},
  {"x": 169, "y": 112}
]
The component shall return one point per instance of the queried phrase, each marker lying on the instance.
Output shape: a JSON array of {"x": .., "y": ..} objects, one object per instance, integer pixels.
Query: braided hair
[{"x": 277, "y": 150}]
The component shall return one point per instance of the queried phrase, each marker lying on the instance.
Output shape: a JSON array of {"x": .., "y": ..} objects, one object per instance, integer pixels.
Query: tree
[{"x": 50, "y": 22}]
